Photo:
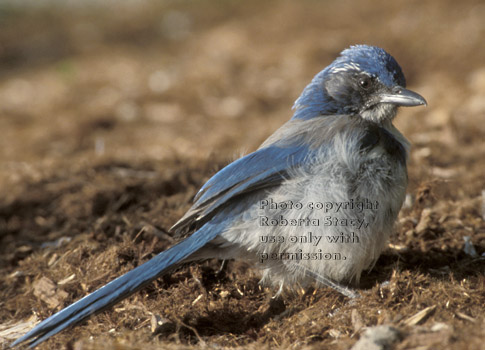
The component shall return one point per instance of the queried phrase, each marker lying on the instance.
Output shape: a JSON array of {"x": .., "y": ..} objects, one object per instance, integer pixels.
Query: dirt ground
[{"x": 112, "y": 118}]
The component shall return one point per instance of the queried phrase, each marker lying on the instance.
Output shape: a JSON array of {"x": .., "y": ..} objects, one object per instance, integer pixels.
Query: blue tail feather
[{"x": 119, "y": 288}]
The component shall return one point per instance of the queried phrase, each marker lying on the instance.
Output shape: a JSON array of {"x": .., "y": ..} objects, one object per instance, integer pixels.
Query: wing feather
[{"x": 265, "y": 168}]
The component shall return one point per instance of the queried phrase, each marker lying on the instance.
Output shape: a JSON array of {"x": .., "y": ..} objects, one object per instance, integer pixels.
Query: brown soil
[{"x": 111, "y": 119}]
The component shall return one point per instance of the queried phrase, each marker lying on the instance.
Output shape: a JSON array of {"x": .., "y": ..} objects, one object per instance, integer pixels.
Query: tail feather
[{"x": 118, "y": 289}]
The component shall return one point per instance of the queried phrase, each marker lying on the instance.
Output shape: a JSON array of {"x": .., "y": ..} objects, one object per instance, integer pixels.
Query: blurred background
[
  {"x": 163, "y": 79},
  {"x": 113, "y": 113}
]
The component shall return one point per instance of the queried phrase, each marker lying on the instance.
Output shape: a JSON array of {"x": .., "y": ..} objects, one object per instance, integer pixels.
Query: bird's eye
[{"x": 364, "y": 82}]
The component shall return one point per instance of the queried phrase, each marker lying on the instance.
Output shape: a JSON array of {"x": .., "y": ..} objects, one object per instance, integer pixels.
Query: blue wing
[{"x": 264, "y": 168}]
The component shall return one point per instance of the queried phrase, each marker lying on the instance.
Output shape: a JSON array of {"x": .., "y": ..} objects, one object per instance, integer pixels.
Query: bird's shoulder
[{"x": 293, "y": 146}]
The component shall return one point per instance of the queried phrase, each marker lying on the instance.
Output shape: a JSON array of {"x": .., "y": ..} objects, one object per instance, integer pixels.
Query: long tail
[{"x": 118, "y": 289}]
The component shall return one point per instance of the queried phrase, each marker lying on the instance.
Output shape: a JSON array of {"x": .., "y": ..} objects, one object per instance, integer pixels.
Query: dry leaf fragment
[
  {"x": 420, "y": 316},
  {"x": 46, "y": 290}
]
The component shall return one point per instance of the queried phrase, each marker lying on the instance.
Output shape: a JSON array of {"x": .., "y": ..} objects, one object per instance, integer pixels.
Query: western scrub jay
[{"x": 315, "y": 202}]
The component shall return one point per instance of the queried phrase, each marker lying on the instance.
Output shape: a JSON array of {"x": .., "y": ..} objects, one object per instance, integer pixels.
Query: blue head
[{"x": 364, "y": 80}]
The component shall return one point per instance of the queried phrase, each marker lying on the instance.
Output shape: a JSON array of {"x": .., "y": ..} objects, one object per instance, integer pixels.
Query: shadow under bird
[{"x": 316, "y": 202}]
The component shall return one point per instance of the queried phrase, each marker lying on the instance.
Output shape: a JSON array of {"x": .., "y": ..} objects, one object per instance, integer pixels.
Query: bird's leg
[{"x": 328, "y": 282}]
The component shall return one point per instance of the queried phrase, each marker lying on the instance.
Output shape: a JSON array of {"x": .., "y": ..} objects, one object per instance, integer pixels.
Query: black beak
[{"x": 400, "y": 96}]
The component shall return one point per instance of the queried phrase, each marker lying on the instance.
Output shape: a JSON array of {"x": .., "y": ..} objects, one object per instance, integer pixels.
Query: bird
[{"x": 315, "y": 203}]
